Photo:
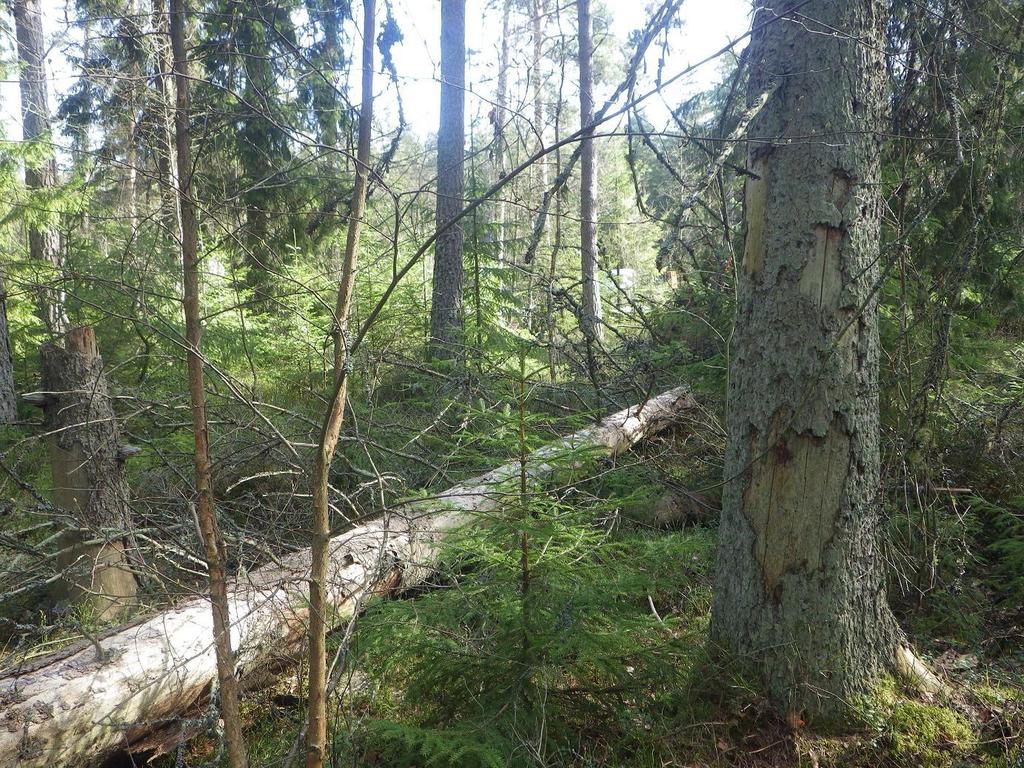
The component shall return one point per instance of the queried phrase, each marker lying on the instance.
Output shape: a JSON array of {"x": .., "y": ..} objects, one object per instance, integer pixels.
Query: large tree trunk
[
  {"x": 75, "y": 708},
  {"x": 590, "y": 321},
  {"x": 44, "y": 242},
  {"x": 446, "y": 300},
  {"x": 213, "y": 543},
  {"x": 800, "y": 588},
  {"x": 87, "y": 462}
]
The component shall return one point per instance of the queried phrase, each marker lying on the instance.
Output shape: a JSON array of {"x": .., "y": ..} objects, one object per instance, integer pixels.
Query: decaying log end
[{"x": 37, "y": 399}]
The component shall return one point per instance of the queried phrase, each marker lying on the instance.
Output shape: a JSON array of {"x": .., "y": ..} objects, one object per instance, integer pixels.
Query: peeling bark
[
  {"x": 800, "y": 588},
  {"x": 74, "y": 709}
]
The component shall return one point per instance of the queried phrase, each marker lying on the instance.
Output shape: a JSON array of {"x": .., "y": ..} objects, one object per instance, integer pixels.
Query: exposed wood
[
  {"x": 76, "y": 709},
  {"x": 88, "y": 476},
  {"x": 800, "y": 589}
]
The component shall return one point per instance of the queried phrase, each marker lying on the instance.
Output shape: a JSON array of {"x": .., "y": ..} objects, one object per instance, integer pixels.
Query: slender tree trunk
[
  {"x": 44, "y": 242},
  {"x": 87, "y": 461},
  {"x": 800, "y": 587},
  {"x": 591, "y": 314},
  {"x": 8, "y": 397},
  {"x": 499, "y": 151},
  {"x": 213, "y": 542},
  {"x": 319, "y": 603},
  {"x": 446, "y": 301},
  {"x": 166, "y": 161},
  {"x": 540, "y": 184}
]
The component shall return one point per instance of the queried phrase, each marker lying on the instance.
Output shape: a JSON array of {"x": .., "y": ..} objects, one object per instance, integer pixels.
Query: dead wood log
[{"x": 77, "y": 707}]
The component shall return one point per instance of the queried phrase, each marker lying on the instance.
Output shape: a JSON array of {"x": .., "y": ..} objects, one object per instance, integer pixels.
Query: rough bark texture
[
  {"x": 499, "y": 152},
  {"x": 88, "y": 477},
  {"x": 8, "y": 398},
  {"x": 591, "y": 319},
  {"x": 44, "y": 243},
  {"x": 800, "y": 588},
  {"x": 316, "y": 724},
  {"x": 74, "y": 708},
  {"x": 167, "y": 163},
  {"x": 446, "y": 300},
  {"x": 213, "y": 542}
]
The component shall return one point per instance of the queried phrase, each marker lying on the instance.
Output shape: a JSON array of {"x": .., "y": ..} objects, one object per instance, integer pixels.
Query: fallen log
[{"x": 77, "y": 708}]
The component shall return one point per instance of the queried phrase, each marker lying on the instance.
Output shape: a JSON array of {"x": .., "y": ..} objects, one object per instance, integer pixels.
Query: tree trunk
[
  {"x": 43, "y": 243},
  {"x": 800, "y": 587},
  {"x": 499, "y": 149},
  {"x": 166, "y": 161},
  {"x": 446, "y": 300},
  {"x": 87, "y": 462},
  {"x": 591, "y": 313},
  {"x": 316, "y": 725},
  {"x": 8, "y": 398},
  {"x": 213, "y": 542},
  {"x": 538, "y": 18},
  {"x": 74, "y": 708}
]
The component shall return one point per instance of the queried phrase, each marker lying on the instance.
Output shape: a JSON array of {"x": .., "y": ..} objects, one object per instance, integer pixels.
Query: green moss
[
  {"x": 928, "y": 734},
  {"x": 918, "y": 734}
]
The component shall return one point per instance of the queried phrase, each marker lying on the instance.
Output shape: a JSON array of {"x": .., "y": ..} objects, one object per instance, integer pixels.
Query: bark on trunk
[
  {"x": 316, "y": 724},
  {"x": 591, "y": 319},
  {"x": 87, "y": 463},
  {"x": 44, "y": 243},
  {"x": 8, "y": 398},
  {"x": 499, "y": 152},
  {"x": 800, "y": 588},
  {"x": 166, "y": 161},
  {"x": 213, "y": 543},
  {"x": 539, "y": 16},
  {"x": 446, "y": 300},
  {"x": 75, "y": 708}
]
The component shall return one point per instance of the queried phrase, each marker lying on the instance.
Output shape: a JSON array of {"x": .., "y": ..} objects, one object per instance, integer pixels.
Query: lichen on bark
[{"x": 800, "y": 589}]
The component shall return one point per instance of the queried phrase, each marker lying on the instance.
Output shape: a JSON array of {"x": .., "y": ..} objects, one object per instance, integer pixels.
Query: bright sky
[{"x": 707, "y": 26}]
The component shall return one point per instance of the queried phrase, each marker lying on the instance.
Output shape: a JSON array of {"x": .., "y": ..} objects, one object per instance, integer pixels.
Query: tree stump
[{"x": 87, "y": 463}]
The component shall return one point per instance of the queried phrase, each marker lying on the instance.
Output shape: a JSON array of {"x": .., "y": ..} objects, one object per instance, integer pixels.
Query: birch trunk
[
  {"x": 76, "y": 708},
  {"x": 800, "y": 588}
]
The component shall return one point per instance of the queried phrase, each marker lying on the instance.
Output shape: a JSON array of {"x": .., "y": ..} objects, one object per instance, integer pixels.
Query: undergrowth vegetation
[{"x": 563, "y": 632}]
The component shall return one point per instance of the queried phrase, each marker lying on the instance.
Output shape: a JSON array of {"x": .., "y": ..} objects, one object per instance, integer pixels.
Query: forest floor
[{"x": 598, "y": 657}]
